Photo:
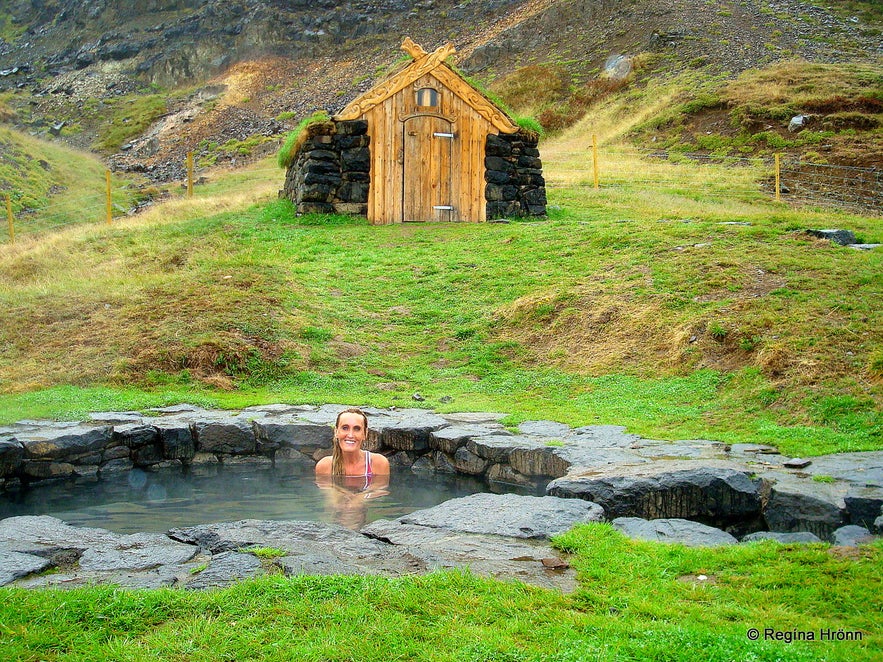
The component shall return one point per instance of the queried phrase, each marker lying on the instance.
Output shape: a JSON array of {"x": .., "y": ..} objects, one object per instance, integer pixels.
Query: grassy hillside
[
  {"x": 51, "y": 186},
  {"x": 677, "y": 311}
]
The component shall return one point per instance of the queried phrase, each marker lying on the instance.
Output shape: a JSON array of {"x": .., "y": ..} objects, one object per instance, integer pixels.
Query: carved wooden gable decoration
[{"x": 428, "y": 129}]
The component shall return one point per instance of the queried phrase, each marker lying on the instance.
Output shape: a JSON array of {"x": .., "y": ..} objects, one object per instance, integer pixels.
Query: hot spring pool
[{"x": 157, "y": 501}]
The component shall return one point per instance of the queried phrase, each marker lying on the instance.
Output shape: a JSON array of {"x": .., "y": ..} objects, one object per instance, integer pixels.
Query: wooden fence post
[
  {"x": 189, "y": 174},
  {"x": 9, "y": 217},
  {"x": 778, "y": 177},
  {"x": 595, "y": 158},
  {"x": 109, "y": 201}
]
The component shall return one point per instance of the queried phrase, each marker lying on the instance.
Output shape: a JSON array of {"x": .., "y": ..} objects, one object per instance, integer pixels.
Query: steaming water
[{"x": 157, "y": 501}]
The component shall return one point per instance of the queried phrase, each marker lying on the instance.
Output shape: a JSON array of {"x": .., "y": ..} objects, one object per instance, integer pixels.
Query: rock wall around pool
[{"x": 740, "y": 488}]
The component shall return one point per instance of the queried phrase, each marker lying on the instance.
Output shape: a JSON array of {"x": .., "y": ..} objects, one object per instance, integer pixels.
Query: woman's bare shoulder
[
  {"x": 379, "y": 464},
  {"x": 323, "y": 466}
]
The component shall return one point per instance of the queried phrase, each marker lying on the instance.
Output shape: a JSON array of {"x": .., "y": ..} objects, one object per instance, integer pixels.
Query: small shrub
[{"x": 717, "y": 330}]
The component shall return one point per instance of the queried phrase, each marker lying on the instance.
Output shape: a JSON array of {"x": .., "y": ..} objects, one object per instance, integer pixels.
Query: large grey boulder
[
  {"x": 552, "y": 449},
  {"x": 864, "y": 505},
  {"x": 796, "y": 536},
  {"x": 838, "y": 236},
  {"x": 96, "y": 550},
  {"x": 719, "y": 496},
  {"x": 65, "y": 444},
  {"x": 137, "y": 551},
  {"x": 499, "y": 447},
  {"x": 288, "y": 434},
  {"x": 510, "y": 515},
  {"x": 467, "y": 462},
  {"x": 448, "y": 439},
  {"x": 428, "y": 548},
  {"x": 233, "y": 436},
  {"x": 226, "y": 568},
  {"x": 536, "y": 459},
  {"x": 851, "y": 535},
  {"x": 673, "y": 530},
  {"x": 409, "y": 430},
  {"x": 11, "y": 454},
  {"x": 798, "y": 505},
  {"x": 311, "y": 547}
]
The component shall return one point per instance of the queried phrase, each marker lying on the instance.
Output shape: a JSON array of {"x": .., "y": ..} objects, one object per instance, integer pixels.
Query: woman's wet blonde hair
[{"x": 337, "y": 454}]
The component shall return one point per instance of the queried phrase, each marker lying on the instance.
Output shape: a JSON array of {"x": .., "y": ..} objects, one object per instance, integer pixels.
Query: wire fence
[
  {"x": 103, "y": 201},
  {"x": 694, "y": 175},
  {"x": 785, "y": 179}
]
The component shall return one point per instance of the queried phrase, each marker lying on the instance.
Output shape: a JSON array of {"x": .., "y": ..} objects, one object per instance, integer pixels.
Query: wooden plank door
[{"x": 427, "y": 169}]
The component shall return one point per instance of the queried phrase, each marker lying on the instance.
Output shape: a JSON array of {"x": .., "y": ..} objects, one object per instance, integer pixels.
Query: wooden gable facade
[{"x": 428, "y": 131}]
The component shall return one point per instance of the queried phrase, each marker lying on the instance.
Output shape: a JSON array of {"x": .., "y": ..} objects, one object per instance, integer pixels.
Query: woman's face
[{"x": 350, "y": 432}]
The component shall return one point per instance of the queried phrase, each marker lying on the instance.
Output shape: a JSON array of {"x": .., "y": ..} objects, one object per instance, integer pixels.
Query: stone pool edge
[{"x": 662, "y": 490}]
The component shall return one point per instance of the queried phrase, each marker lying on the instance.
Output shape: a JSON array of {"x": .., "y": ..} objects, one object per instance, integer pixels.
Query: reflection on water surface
[{"x": 157, "y": 501}]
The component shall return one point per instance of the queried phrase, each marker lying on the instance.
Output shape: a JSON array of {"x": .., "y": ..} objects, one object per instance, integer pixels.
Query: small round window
[{"x": 427, "y": 97}]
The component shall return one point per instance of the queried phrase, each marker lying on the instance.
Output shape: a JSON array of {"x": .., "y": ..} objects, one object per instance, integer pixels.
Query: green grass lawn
[{"x": 636, "y": 601}]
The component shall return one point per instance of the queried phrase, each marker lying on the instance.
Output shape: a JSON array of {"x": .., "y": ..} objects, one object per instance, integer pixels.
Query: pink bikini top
[{"x": 368, "y": 473}]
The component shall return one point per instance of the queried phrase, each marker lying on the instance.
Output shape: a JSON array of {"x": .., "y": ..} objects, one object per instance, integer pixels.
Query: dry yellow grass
[{"x": 801, "y": 84}]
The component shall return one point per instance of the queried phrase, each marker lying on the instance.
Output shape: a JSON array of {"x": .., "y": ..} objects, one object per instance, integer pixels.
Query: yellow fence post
[
  {"x": 189, "y": 174},
  {"x": 778, "y": 177},
  {"x": 109, "y": 201},
  {"x": 9, "y": 216},
  {"x": 595, "y": 158}
]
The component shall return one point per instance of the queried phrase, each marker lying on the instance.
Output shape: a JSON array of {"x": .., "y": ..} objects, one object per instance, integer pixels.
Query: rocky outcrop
[{"x": 718, "y": 496}]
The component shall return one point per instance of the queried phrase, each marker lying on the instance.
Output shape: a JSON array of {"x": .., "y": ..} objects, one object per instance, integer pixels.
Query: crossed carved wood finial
[
  {"x": 416, "y": 51},
  {"x": 412, "y": 48}
]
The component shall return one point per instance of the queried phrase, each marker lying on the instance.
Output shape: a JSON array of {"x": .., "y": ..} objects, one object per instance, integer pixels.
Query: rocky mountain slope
[{"x": 229, "y": 77}]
